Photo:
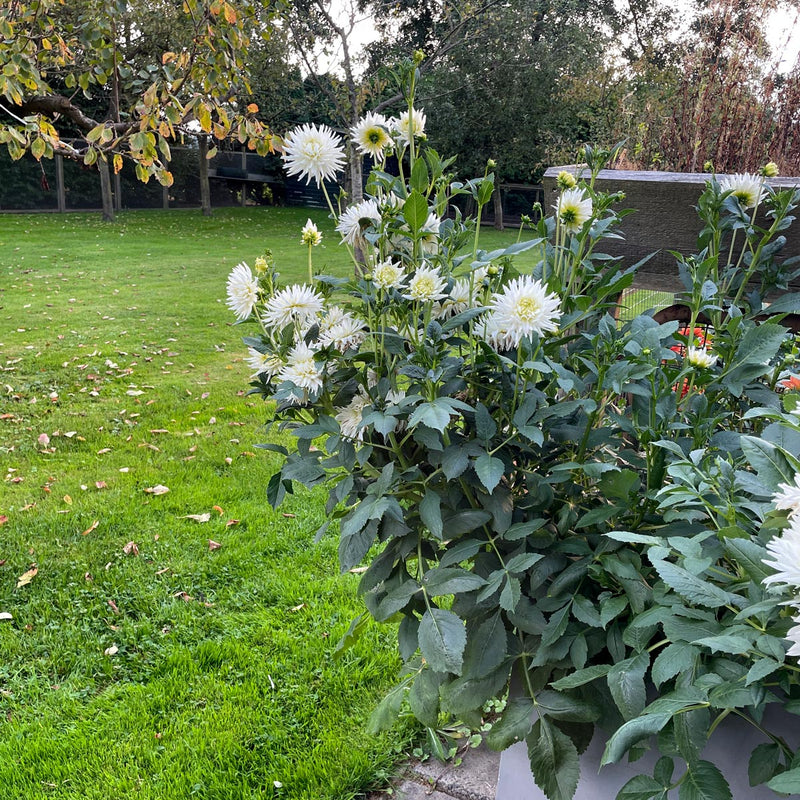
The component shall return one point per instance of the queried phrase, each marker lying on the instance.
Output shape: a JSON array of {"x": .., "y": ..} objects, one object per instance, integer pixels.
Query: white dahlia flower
[
  {"x": 785, "y": 552},
  {"x": 313, "y": 151},
  {"x": 294, "y": 304},
  {"x": 429, "y": 234},
  {"x": 410, "y": 124},
  {"x": 301, "y": 368},
  {"x": 388, "y": 275},
  {"x": 459, "y": 299},
  {"x": 700, "y": 357},
  {"x": 523, "y": 308},
  {"x": 356, "y": 219},
  {"x": 371, "y": 136},
  {"x": 788, "y": 499},
  {"x": 267, "y": 364},
  {"x": 242, "y": 291},
  {"x": 346, "y": 334},
  {"x": 573, "y": 209},
  {"x": 349, "y": 417},
  {"x": 746, "y": 188},
  {"x": 426, "y": 286}
]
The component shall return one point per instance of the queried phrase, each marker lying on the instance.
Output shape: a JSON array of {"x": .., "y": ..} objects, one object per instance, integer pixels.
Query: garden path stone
[{"x": 475, "y": 778}]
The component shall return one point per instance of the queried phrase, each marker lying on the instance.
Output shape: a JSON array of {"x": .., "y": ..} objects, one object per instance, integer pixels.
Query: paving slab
[
  {"x": 409, "y": 790},
  {"x": 475, "y": 778}
]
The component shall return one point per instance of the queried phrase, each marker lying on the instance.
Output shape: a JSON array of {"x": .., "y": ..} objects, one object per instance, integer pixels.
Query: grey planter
[{"x": 729, "y": 748}]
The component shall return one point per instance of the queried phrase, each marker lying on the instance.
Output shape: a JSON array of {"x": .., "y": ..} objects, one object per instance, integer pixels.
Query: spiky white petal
[
  {"x": 267, "y": 364},
  {"x": 788, "y": 498},
  {"x": 523, "y": 308},
  {"x": 302, "y": 368},
  {"x": 313, "y": 151},
  {"x": 746, "y": 188},
  {"x": 785, "y": 552},
  {"x": 459, "y": 299},
  {"x": 242, "y": 291},
  {"x": 371, "y": 135},
  {"x": 416, "y": 121},
  {"x": 346, "y": 334},
  {"x": 573, "y": 209},
  {"x": 700, "y": 357},
  {"x": 388, "y": 275},
  {"x": 356, "y": 219},
  {"x": 426, "y": 285},
  {"x": 793, "y": 635},
  {"x": 350, "y": 417},
  {"x": 429, "y": 234},
  {"x": 294, "y": 304}
]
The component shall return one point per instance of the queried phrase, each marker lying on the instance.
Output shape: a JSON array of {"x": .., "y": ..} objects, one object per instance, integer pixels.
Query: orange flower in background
[{"x": 792, "y": 383}]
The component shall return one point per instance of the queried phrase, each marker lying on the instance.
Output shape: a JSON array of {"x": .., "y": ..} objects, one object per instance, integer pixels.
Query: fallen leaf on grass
[
  {"x": 298, "y": 608},
  {"x": 3, "y": 519},
  {"x": 113, "y": 606},
  {"x": 198, "y": 517},
  {"x": 104, "y": 451},
  {"x": 231, "y": 522},
  {"x": 185, "y": 596},
  {"x": 290, "y": 516},
  {"x": 159, "y": 430},
  {"x": 43, "y": 439},
  {"x": 27, "y": 577},
  {"x": 131, "y": 548},
  {"x": 92, "y": 527},
  {"x": 67, "y": 499},
  {"x": 100, "y": 485},
  {"x": 212, "y": 545},
  {"x": 158, "y": 489},
  {"x": 162, "y": 571},
  {"x": 358, "y": 570},
  {"x": 5, "y": 615},
  {"x": 218, "y": 510},
  {"x": 111, "y": 651}
]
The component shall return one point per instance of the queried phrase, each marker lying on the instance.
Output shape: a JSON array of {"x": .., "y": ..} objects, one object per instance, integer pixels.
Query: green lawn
[{"x": 139, "y": 660}]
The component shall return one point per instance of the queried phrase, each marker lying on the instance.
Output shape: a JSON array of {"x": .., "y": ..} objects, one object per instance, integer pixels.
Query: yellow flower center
[
  {"x": 424, "y": 286},
  {"x": 527, "y": 308}
]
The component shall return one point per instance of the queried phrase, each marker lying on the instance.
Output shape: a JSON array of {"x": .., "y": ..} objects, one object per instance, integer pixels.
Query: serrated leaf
[
  {"x": 514, "y": 724},
  {"x": 786, "y": 782},
  {"x": 424, "y": 697},
  {"x": 442, "y": 639},
  {"x": 582, "y": 676},
  {"x": 671, "y": 661},
  {"x": 415, "y": 211},
  {"x": 451, "y": 580},
  {"x": 763, "y": 762},
  {"x": 454, "y": 461},
  {"x": 562, "y": 706},
  {"x": 554, "y": 761},
  {"x": 704, "y": 781},
  {"x": 760, "y": 670},
  {"x": 630, "y": 733},
  {"x": 485, "y": 426},
  {"x": 489, "y": 471},
  {"x": 486, "y": 647},
  {"x": 690, "y": 587},
  {"x": 626, "y": 683},
  {"x": 641, "y": 787},
  {"x": 430, "y": 512}
]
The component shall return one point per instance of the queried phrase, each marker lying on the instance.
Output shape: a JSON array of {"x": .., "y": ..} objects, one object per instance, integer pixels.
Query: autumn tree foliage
[{"x": 101, "y": 81}]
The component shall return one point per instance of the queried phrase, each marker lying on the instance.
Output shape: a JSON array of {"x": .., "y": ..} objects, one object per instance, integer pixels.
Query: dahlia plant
[{"x": 545, "y": 494}]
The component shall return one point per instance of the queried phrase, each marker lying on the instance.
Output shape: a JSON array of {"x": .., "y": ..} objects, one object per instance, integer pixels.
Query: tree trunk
[
  {"x": 356, "y": 175},
  {"x": 105, "y": 190},
  {"x": 205, "y": 187},
  {"x": 498, "y": 208}
]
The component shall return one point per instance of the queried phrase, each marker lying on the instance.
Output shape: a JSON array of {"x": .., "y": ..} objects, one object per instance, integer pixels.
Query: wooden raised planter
[{"x": 665, "y": 217}]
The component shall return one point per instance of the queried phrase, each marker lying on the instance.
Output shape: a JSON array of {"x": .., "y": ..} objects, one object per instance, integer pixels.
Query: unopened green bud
[
  {"x": 492, "y": 270},
  {"x": 708, "y": 166},
  {"x": 419, "y": 57},
  {"x": 770, "y": 170},
  {"x": 491, "y": 163},
  {"x": 566, "y": 180},
  {"x": 260, "y": 265},
  {"x": 646, "y": 351}
]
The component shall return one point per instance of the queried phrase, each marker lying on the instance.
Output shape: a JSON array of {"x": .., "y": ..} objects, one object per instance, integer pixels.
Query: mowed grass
[{"x": 143, "y": 659}]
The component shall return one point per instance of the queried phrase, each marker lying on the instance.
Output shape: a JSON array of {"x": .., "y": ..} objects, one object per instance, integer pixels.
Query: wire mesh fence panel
[{"x": 637, "y": 301}]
